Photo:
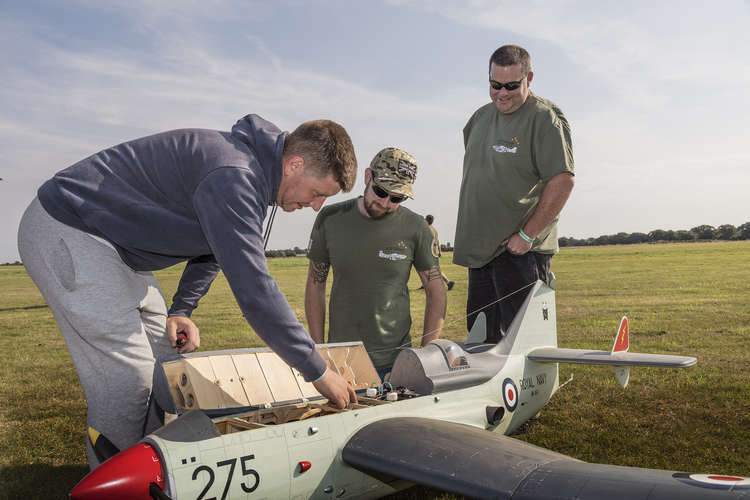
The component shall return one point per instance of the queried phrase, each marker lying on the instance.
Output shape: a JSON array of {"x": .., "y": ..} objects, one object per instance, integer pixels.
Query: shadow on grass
[
  {"x": 23, "y": 308},
  {"x": 40, "y": 481},
  {"x": 422, "y": 493}
]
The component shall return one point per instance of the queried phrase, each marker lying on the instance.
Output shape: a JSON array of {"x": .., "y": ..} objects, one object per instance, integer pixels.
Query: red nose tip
[{"x": 126, "y": 476}]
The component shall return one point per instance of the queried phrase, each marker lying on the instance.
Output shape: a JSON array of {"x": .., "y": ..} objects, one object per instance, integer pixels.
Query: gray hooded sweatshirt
[{"x": 197, "y": 195}]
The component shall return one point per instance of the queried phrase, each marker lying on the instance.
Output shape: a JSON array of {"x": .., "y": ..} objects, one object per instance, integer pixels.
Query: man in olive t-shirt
[
  {"x": 372, "y": 242},
  {"x": 517, "y": 176}
]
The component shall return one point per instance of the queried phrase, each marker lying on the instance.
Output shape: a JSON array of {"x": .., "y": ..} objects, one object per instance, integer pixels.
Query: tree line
[
  {"x": 293, "y": 252},
  {"x": 699, "y": 233},
  {"x": 704, "y": 232}
]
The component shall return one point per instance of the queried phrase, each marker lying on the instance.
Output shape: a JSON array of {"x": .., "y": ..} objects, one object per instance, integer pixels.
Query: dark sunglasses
[
  {"x": 508, "y": 85},
  {"x": 382, "y": 193}
]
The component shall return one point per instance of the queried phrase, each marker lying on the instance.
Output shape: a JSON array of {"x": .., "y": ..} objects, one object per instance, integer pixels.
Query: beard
[{"x": 373, "y": 211}]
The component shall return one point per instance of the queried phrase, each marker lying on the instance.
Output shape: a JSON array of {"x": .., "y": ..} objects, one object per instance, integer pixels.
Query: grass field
[{"x": 686, "y": 298}]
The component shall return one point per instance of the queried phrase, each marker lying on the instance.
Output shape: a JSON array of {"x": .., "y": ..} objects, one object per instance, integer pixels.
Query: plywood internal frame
[{"x": 257, "y": 377}]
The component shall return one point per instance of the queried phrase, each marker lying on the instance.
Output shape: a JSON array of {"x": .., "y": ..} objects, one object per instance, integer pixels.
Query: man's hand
[
  {"x": 181, "y": 324},
  {"x": 334, "y": 387},
  {"x": 517, "y": 245},
  {"x": 551, "y": 202}
]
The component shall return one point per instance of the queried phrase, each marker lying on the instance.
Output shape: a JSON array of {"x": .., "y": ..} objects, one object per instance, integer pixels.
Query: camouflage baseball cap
[{"x": 394, "y": 170}]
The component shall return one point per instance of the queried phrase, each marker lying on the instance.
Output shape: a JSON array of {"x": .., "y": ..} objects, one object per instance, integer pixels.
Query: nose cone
[{"x": 127, "y": 475}]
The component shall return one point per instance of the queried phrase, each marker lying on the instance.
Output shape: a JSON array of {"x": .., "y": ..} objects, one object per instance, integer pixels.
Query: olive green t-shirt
[
  {"x": 508, "y": 160},
  {"x": 371, "y": 261}
]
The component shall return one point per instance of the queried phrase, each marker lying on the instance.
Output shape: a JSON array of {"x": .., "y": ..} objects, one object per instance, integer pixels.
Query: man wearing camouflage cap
[{"x": 372, "y": 242}]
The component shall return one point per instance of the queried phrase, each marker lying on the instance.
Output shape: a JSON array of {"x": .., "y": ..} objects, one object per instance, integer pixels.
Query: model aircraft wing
[
  {"x": 621, "y": 358},
  {"x": 618, "y": 356},
  {"x": 481, "y": 464}
]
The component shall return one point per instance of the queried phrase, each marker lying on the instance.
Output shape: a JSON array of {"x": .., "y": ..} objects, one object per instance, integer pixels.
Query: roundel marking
[
  {"x": 716, "y": 481},
  {"x": 510, "y": 394}
]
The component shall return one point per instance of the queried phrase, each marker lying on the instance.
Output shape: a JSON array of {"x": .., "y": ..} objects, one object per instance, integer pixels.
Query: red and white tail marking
[
  {"x": 622, "y": 344},
  {"x": 622, "y": 341}
]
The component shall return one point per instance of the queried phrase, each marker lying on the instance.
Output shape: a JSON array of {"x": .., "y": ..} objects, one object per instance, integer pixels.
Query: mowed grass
[{"x": 686, "y": 298}]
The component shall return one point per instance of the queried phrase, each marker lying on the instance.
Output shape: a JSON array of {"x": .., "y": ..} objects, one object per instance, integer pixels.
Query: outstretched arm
[
  {"x": 436, "y": 301},
  {"x": 551, "y": 203},
  {"x": 195, "y": 281},
  {"x": 315, "y": 299}
]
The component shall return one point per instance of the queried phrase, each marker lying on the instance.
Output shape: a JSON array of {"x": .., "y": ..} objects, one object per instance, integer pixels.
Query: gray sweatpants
[{"x": 113, "y": 320}]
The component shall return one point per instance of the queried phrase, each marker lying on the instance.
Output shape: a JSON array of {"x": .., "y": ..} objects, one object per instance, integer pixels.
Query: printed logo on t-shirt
[
  {"x": 505, "y": 149},
  {"x": 391, "y": 256},
  {"x": 509, "y": 146}
]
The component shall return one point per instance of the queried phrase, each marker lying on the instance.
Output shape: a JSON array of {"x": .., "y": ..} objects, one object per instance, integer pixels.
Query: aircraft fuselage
[{"x": 271, "y": 461}]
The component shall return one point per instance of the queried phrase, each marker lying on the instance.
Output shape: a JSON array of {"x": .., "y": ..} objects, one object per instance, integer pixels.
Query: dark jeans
[{"x": 505, "y": 274}]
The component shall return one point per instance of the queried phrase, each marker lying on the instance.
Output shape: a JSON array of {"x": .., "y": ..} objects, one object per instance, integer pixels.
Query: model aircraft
[{"x": 244, "y": 425}]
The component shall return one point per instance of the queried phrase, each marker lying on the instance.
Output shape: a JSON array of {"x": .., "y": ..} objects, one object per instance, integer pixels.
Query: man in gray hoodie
[{"x": 96, "y": 231}]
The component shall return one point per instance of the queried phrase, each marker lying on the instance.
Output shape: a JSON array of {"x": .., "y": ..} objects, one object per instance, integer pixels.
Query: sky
[{"x": 656, "y": 93}]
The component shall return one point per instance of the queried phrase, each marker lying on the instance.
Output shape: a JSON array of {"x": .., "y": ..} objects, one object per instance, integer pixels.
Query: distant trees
[
  {"x": 636, "y": 238},
  {"x": 725, "y": 232},
  {"x": 661, "y": 235},
  {"x": 289, "y": 252},
  {"x": 292, "y": 252},
  {"x": 683, "y": 235},
  {"x": 703, "y": 232},
  {"x": 743, "y": 232}
]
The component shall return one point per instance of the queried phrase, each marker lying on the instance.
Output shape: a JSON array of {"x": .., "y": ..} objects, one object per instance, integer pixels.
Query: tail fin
[
  {"x": 622, "y": 340},
  {"x": 622, "y": 344},
  {"x": 478, "y": 332}
]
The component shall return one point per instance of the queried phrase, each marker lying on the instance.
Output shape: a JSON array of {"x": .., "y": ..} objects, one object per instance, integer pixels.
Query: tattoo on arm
[{"x": 319, "y": 271}]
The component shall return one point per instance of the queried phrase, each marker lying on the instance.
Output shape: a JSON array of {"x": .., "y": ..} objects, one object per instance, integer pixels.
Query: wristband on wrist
[
  {"x": 321, "y": 375},
  {"x": 526, "y": 237}
]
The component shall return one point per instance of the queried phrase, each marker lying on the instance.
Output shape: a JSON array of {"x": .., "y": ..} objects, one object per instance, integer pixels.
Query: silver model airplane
[{"x": 246, "y": 426}]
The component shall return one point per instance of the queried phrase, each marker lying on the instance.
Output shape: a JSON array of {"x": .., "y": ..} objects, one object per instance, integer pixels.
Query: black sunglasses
[
  {"x": 508, "y": 85},
  {"x": 382, "y": 193}
]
